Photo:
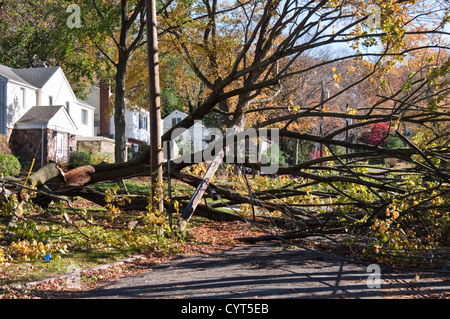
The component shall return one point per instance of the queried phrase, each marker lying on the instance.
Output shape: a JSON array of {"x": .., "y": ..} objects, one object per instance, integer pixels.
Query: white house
[
  {"x": 137, "y": 124},
  {"x": 43, "y": 119},
  {"x": 40, "y": 114},
  {"x": 191, "y": 138},
  {"x": 136, "y": 121},
  {"x": 53, "y": 88},
  {"x": 21, "y": 89}
]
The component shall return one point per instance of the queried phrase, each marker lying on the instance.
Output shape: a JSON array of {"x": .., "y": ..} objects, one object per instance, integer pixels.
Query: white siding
[
  {"x": 94, "y": 100},
  {"x": 16, "y": 108},
  {"x": 194, "y": 135},
  {"x": 136, "y": 128},
  {"x": 21, "y": 96},
  {"x": 167, "y": 122},
  {"x": 61, "y": 122},
  {"x": 132, "y": 129},
  {"x": 76, "y": 113},
  {"x": 59, "y": 89}
]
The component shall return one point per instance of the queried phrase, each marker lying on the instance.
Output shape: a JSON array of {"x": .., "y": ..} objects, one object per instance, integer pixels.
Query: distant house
[
  {"x": 40, "y": 114},
  {"x": 192, "y": 138},
  {"x": 44, "y": 120},
  {"x": 136, "y": 122}
]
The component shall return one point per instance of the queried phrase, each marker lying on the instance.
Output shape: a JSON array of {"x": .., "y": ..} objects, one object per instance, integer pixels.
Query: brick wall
[{"x": 27, "y": 145}]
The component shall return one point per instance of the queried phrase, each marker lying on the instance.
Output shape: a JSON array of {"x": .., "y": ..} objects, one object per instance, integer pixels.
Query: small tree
[{"x": 377, "y": 135}]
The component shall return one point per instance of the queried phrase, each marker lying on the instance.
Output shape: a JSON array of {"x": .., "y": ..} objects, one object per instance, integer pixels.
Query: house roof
[
  {"x": 40, "y": 114},
  {"x": 84, "y": 103},
  {"x": 54, "y": 117},
  {"x": 36, "y": 76},
  {"x": 176, "y": 112},
  {"x": 10, "y": 74}
]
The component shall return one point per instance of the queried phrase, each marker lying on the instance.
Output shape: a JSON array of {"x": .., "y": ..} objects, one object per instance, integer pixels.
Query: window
[
  {"x": 142, "y": 121},
  {"x": 175, "y": 121},
  {"x": 50, "y": 100},
  {"x": 24, "y": 97},
  {"x": 84, "y": 117}
]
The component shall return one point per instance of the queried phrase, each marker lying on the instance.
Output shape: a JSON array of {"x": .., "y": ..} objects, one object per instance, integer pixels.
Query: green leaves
[{"x": 9, "y": 165}]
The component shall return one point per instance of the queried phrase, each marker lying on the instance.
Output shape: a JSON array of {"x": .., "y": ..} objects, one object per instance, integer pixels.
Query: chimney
[{"x": 104, "y": 114}]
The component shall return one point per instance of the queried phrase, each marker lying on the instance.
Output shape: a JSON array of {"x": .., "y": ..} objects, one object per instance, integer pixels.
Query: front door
[{"x": 62, "y": 148}]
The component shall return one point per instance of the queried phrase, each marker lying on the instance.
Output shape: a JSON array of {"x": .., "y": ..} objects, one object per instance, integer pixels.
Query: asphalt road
[{"x": 268, "y": 271}]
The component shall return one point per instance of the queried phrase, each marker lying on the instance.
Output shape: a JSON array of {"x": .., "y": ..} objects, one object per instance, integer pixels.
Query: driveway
[{"x": 268, "y": 271}]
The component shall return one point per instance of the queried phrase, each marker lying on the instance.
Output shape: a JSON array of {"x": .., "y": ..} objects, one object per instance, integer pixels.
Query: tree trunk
[
  {"x": 120, "y": 151},
  {"x": 119, "y": 112},
  {"x": 156, "y": 152}
]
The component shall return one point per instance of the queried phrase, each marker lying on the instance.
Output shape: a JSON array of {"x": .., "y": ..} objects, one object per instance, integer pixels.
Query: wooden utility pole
[
  {"x": 156, "y": 152},
  {"x": 201, "y": 189}
]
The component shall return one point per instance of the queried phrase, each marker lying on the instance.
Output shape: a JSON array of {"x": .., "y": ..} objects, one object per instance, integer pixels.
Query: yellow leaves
[
  {"x": 2, "y": 256},
  {"x": 293, "y": 107},
  {"x": 392, "y": 211},
  {"x": 196, "y": 170},
  {"x": 19, "y": 210},
  {"x": 296, "y": 108},
  {"x": 112, "y": 198},
  {"x": 395, "y": 214},
  {"x": 337, "y": 77},
  {"x": 334, "y": 3},
  {"x": 351, "y": 111},
  {"x": 31, "y": 250}
]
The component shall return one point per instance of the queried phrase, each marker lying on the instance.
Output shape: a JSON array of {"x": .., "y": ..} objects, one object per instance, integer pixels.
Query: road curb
[{"x": 94, "y": 268}]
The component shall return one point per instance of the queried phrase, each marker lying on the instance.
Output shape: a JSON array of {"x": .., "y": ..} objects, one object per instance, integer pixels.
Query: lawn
[{"x": 48, "y": 242}]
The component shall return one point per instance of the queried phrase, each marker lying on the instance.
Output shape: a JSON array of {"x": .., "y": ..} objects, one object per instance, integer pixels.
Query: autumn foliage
[
  {"x": 331, "y": 82},
  {"x": 377, "y": 135}
]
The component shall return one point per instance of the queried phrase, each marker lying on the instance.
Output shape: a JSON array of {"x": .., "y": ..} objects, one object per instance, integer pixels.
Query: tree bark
[
  {"x": 119, "y": 110},
  {"x": 156, "y": 151}
]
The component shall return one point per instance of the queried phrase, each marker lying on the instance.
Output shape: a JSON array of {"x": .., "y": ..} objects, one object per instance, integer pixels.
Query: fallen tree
[{"x": 346, "y": 189}]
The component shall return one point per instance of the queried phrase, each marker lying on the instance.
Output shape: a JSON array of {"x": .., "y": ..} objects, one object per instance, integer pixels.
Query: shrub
[
  {"x": 377, "y": 134},
  {"x": 9, "y": 165},
  {"x": 395, "y": 142},
  {"x": 80, "y": 158},
  {"x": 83, "y": 157}
]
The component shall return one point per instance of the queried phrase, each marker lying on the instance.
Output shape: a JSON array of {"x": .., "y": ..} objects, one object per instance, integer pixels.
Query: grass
[
  {"x": 132, "y": 186},
  {"x": 19, "y": 271},
  {"x": 105, "y": 245},
  {"x": 109, "y": 240},
  {"x": 140, "y": 186},
  {"x": 14, "y": 273}
]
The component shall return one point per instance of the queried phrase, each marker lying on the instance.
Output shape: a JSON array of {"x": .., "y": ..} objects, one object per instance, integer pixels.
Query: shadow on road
[{"x": 265, "y": 271}]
